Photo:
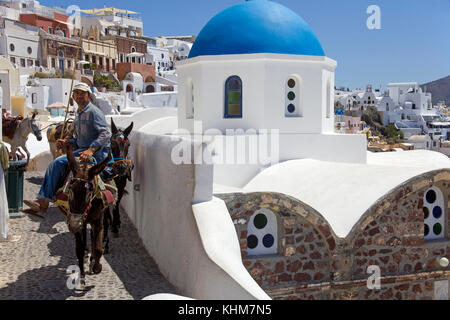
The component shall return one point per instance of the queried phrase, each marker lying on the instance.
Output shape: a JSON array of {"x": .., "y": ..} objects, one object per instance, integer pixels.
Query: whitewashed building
[
  {"x": 386, "y": 107},
  {"x": 20, "y": 44},
  {"x": 59, "y": 89},
  {"x": 38, "y": 96},
  {"x": 366, "y": 99},
  {"x": 7, "y": 12},
  {"x": 159, "y": 57}
]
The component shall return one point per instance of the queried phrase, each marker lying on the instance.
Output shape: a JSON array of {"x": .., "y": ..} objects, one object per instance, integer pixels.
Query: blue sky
[{"x": 413, "y": 44}]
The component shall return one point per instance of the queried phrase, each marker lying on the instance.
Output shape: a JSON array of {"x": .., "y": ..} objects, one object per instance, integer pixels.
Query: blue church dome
[{"x": 256, "y": 26}]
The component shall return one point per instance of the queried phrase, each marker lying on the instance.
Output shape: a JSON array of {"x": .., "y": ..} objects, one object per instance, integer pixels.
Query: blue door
[{"x": 61, "y": 65}]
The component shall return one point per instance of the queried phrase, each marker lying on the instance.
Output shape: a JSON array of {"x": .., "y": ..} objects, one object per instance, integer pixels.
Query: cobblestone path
[{"x": 35, "y": 267}]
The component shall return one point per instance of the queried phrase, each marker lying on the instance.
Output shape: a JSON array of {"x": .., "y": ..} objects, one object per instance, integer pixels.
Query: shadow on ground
[
  {"x": 133, "y": 265},
  {"x": 129, "y": 272},
  {"x": 35, "y": 180}
]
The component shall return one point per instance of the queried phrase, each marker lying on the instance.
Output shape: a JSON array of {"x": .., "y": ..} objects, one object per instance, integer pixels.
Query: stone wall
[
  {"x": 313, "y": 263},
  {"x": 305, "y": 240},
  {"x": 391, "y": 234}
]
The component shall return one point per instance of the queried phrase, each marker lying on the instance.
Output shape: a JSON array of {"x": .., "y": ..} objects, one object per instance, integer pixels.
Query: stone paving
[{"x": 35, "y": 267}]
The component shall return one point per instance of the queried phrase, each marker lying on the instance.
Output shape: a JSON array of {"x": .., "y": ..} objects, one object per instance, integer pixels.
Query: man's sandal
[{"x": 34, "y": 205}]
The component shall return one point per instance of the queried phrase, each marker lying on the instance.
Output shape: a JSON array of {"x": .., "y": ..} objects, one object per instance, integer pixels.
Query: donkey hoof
[
  {"x": 82, "y": 285},
  {"x": 97, "y": 268}
]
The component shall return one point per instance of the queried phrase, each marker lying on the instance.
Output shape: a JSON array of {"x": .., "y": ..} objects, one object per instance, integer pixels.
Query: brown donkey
[
  {"x": 122, "y": 168},
  {"x": 87, "y": 205}
]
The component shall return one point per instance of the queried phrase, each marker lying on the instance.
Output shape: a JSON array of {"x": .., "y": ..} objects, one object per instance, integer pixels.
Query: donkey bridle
[
  {"x": 88, "y": 208},
  {"x": 120, "y": 160}
]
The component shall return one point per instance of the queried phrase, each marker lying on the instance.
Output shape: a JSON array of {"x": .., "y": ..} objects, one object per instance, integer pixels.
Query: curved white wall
[
  {"x": 178, "y": 237},
  {"x": 142, "y": 118}
]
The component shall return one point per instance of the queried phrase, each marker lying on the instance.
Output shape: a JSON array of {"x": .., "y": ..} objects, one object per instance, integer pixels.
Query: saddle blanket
[
  {"x": 108, "y": 194},
  {"x": 9, "y": 124}
]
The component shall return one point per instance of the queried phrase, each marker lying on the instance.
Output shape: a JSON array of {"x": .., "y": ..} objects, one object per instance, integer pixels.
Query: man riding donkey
[{"x": 90, "y": 137}]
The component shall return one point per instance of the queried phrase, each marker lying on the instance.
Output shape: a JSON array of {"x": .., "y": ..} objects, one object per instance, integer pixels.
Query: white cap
[{"x": 82, "y": 87}]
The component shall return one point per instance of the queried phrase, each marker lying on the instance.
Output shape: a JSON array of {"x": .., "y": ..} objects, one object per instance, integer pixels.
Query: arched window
[
  {"x": 262, "y": 231},
  {"x": 233, "y": 97},
  {"x": 434, "y": 214},
  {"x": 293, "y": 91}
]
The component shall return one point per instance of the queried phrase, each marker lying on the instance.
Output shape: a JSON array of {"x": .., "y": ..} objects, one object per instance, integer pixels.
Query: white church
[{"x": 222, "y": 229}]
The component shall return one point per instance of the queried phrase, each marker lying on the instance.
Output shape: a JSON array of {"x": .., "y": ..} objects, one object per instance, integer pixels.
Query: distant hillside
[{"x": 440, "y": 90}]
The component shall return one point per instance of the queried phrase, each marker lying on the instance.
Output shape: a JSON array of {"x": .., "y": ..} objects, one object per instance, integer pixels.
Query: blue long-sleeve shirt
[{"x": 92, "y": 130}]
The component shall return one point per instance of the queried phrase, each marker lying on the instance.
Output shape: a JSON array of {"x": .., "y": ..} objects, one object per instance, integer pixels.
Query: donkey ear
[
  {"x": 98, "y": 168},
  {"x": 113, "y": 127},
  {"x": 128, "y": 130},
  {"x": 129, "y": 177},
  {"x": 73, "y": 165}
]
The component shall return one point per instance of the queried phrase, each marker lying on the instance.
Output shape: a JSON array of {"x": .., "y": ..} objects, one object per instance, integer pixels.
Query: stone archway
[{"x": 150, "y": 89}]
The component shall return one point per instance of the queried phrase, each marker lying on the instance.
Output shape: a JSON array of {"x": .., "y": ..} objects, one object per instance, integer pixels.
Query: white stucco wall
[
  {"x": 158, "y": 99},
  {"x": 143, "y": 117},
  {"x": 42, "y": 96},
  {"x": 264, "y": 78},
  {"x": 10, "y": 81},
  {"x": 10, "y": 13},
  {"x": 59, "y": 89},
  {"x": 160, "y": 206},
  {"x": 341, "y": 148},
  {"x": 5, "y": 86}
]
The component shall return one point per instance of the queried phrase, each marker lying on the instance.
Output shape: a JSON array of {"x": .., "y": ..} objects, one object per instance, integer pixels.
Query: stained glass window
[
  {"x": 434, "y": 218},
  {"x": 262, "y": 233},
  {"x": 233, "y": 97}
]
